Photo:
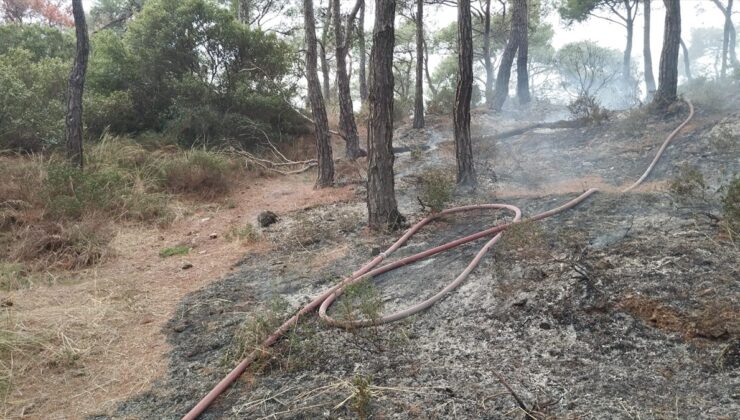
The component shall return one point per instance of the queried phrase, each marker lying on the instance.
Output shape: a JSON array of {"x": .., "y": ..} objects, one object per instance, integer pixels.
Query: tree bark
[
  {"x": 76, "y": 87},
  {"x": 668, "y": 74},
  {"x": 726, "y": 37},
  {"x": 629, "y": 22},
  {"x": 487, "y": 63},
  {"x": 461, "y": 114},
  {"x": 243, "y": 11},
  {"x": 686, "y": 60},
  {"x": 324, "y": 61},
  {"x": 382, "y": 208},
  {"x": 363, "y": 56},
  {"x": 518, "y": 22},
  {"x": 522, "y": 70},
  {"x": 321, "y": 125},
  {"x": 647, "y": 54},
  {"x": 419, "y": 92},
  {"x": 347, "y": 124},
  {"x": 426, "y": 70}
]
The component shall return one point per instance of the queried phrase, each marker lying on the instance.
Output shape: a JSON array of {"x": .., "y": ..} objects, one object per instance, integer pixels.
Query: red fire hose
[{"x": 323, "y": 301}]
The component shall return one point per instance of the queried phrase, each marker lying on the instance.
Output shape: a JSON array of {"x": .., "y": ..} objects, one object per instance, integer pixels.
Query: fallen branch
[{"x": 522, "y": 130}]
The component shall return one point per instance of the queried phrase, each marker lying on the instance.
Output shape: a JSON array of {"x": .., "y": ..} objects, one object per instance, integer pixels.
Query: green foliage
[
  {"x": 688, "y": 184},
  {"x": 197, "y": 172},
  {"x": 361, "y": 396},
  {"x": 41, "y": 41},
  {"x": 436, "y": 187},
  {"x": 362, "y": 300},
  {"x": 246, "y": 233},
  {"x": 31, "y": 100},
  {"x": 587, "y": 108},
  {"x": 174, "y": 250},
  {"x": 580, "y": 10},
  {"x": 731, "y": 206},
  {"x": 72, "y": 193},
  {"x": 587, "y": 68}
]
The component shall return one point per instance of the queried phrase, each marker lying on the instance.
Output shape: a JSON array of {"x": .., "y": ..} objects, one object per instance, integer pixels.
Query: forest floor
[{"x": 625, "y": 307}]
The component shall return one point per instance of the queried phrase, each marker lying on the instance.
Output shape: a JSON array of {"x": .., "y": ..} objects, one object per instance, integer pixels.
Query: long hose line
[{"x": 369, "y": 270}]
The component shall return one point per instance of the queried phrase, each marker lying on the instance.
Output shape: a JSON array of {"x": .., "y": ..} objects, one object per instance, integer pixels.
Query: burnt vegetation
[{"x": 305, "y": 136}]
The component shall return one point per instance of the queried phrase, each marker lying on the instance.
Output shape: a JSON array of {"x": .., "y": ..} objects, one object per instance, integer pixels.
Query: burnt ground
[{"x": 625, "y": 307}]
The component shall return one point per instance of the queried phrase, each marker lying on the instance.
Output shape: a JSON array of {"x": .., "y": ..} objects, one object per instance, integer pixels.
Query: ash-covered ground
[{"x": 624, "y": 307}]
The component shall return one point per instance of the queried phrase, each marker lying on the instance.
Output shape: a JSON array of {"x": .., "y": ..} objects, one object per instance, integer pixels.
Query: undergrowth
[
  {"x": 436, "y": 187},
  {"x": 53, "y": 215}
]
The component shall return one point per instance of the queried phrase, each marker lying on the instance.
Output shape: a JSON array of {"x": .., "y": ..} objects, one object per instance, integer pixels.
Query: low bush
[
  {"x": 174, "y": 250},
  {"x": 198, "y": 172},
  {"x": 246, "y": 233},
  {"x": 436, "y": 187},
  {"x": 688, "y": 184},
  {"x": 731, "y": 206},
  {"x": 70, "y": 247},
  {"x": 588, "y": 109}
]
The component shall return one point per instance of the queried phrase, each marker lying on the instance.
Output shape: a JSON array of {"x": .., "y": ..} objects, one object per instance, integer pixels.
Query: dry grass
[{"x": 84, "y": 345}]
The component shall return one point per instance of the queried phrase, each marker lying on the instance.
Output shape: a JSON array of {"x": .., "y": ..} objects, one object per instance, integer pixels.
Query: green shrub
[
  {"x": 436, "y": 188},
  {"x": 246, "y": 233},
  {"x": 32, "y": 105},
  {"x": 688, "y": 184},
  {"x": 71, "y": 192},
  {"x": 174, "y": 250},
  {"x": 588, "y": 109},
  {"x": 731, "y": 205},
  {"x": 197, "y": 172}
]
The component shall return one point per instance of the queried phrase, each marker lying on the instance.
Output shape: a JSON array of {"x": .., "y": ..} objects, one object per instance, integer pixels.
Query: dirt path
[{"x": 102, "y": 335}]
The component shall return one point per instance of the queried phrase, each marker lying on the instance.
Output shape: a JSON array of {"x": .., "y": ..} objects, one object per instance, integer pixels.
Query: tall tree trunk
[
  {"x": 426, "y": 70},
  {"x": 346, "y": 112},
  {"x": 518, "y": 22},
  {"x": 381, "y": 194},
  {"x": 627, "y": 59},
  {"x": 647, "y": 54},
  {"x": 76, "y": 87},
  {"x": 668, "y": 75},
  {"x": 522, "y": 70},
  {"x": 419, "y": 92},
  {"x": 243, "y": 11},
  {"x": 361, "y": 42},
  {"x": 324, "y": 46},
  {"x": 487, "y": 62},
  {"x": 726, "y": 37},
  {"x": 686, "y": 60},
  {"x": 729, "y": 35},
  {"x": 461, "y": 114},
  {"x": 321, "y": 124}
]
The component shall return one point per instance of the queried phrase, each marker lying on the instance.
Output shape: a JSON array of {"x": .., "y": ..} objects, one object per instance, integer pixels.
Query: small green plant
[
  {"x": 246, "y": 233},
  {"x": 731, "y": 207},
  {"x": 723, "y": 139},
  {"x": 14, "y": 276},
  {"x": 174, "y": 250},
  {"x": 588, "y": 109},
  {"x": 634, "y": 123},
  {"x": 416, "y": 152},
  {"x": 688, "y": 184},
  {"x": 436, "y": 188},
  {"x": 361, "y": 396},
  {"x": 526, "y": 237},
  {"x": 254, "y": 331},
  {"x": 361, "y": 300}
]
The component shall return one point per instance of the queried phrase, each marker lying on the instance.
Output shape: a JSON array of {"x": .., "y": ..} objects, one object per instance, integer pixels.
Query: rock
[
  {"x": 187, "y": 266},
  {"x": 180, "y": 327},
  {"x": 213, "y": 236},
  {"x": 266, "y": 218}
]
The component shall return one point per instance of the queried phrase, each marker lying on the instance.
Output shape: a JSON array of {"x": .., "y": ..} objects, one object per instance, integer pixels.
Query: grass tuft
[{"x": 174, "y": 250}]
